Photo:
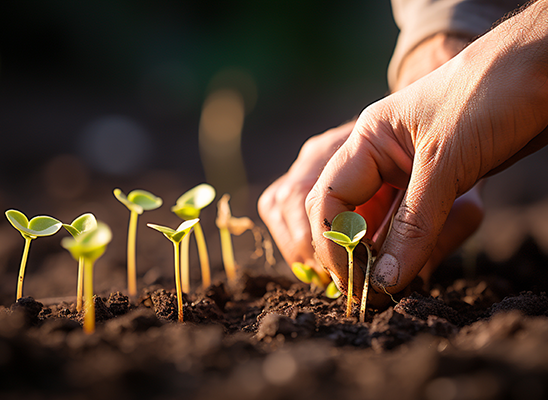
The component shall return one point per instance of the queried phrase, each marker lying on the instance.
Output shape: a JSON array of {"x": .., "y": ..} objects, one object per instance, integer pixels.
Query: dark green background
[{"x": 65, "y": 63}]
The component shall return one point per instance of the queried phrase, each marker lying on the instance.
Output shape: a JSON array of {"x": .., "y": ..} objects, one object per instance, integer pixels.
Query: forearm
[{"x": 421, "y": 20}]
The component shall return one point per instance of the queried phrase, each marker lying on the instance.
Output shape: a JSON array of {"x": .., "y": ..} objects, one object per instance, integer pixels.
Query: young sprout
[
  {"x": 84, "y": 223},
  {"x": 307, "y": 274},
  {"x": 332, "y": 291},
  {"x": 137, "y": 201},
  {"x": 347, "y": 229},
  {"x": 37, "y": 227},
  {"x": 89, "y": 246},
  {"x": 228, "y": 225},
  {"x": 176, "y": 236},
  {"x": 189, "y": 206}
]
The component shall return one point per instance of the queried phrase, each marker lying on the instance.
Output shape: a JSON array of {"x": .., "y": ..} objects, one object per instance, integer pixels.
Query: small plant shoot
[
  {"x": 84, "y": 223},
  {"x": 332, "y": 291},
  {"x": 347, "y": 230},
  {"x": 306, "y": 274},
  {"x": 37, "y": 227},
  {"x": 228, "y": 225},
  {"x": 137, "y": 202},
  {"x": 89, "y": 246},
  {"x": 176, "y": 236},
  {"x": 187, "y": 207}
]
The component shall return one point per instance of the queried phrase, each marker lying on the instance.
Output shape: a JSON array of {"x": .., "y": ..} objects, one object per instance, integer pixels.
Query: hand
[
  {"x": 281, "y": 206},
  {"x": 476, "y": 114}
]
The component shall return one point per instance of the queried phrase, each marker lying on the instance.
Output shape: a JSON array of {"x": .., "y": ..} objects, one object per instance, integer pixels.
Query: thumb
[{"x": 416, "y": 226}]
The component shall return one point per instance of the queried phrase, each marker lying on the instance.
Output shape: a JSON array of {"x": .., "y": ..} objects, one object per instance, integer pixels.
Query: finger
[
  {"x": 418, "y": 221},
  {"x": 283, "y": 212},
  {"x": 349, "y": 179}
]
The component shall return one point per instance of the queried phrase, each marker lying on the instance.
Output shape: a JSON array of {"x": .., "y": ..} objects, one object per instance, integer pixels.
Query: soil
[
  {"x": 479, "y": 332},
  {"x": 270, "y": 337}
]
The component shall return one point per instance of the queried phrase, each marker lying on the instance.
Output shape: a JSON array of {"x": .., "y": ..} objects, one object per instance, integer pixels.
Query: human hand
[
  {"x": 476, "y": 114},
  {"x": 281, "y": 206}
]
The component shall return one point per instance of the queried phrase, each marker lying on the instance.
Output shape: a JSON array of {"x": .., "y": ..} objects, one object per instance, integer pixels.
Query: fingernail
[{"x": 387, "y": 271}]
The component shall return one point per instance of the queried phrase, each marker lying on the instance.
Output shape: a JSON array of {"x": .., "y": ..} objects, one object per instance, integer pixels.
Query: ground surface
[{"x": 270, "y": 338}]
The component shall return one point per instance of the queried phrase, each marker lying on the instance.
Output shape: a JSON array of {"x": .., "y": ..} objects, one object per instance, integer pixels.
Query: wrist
[{"x": 430, "y": 54}]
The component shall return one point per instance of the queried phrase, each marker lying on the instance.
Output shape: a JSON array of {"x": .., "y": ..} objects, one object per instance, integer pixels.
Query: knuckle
[{"x": 410, "y": 224}]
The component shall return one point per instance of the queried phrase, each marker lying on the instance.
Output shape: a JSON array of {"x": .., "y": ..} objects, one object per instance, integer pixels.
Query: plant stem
[
  {"x": 363, "y": 305},
  {"x": 131, "y": 244},
  {"x": 177, "y": 253},
  {"x": 350, "y": 282},
  {"x": 228, "y": 254},
  {"x": 22, "y": 268},
  {"x": 185, "y": 269},
  {"x": 204, "y": 257},
  {"x": 80, "y": 285},
  {"x": 89, "y": 317}
]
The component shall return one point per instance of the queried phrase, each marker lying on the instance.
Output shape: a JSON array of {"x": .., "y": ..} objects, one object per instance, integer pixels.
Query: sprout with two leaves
[
  {"x": 347, "y": 230},
  {"x": 187, "y": 207},
  {"x": 137, "y": 202},
  {"x": 37, "y": 227},
  {"x": 84, "y": 223},
  {"x": 89, "y": 246},
  {"x": 176, "y": 236},
  {"x": 305, "y": 273}
]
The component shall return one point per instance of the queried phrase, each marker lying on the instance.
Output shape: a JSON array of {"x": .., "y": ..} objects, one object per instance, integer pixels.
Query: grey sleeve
[{"x": 421, "y": 19}]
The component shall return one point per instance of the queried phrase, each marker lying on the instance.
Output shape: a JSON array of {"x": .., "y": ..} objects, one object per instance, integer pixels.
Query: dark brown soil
[{"x": 273, "y": 338}]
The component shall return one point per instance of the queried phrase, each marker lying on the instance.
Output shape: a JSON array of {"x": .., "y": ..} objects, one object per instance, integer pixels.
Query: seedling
[
  {"x": 176, "y": 236},
  {"x": 84, "y": 223},
  {"x": 137, "y": 201},
  {"x": 228, "y": 225},
  {"x": 189, "y": 206},
  {"x": 89, "y": 246},
  {"x": 306, "y": 274},
  {"x": 37, "y": 227},
  {"x": 332, "y": 291},
  {"x": 347, "y": 230}
]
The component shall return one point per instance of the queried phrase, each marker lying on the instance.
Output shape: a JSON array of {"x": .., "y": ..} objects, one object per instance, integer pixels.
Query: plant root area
[{"x": 269, "y": 337}]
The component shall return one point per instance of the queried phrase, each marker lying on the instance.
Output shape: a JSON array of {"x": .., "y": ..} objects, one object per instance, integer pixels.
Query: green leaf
[
  {"x": 303, "y": 272},
  {"x": 90, "y": 244},
  {"x": 124, "y": 200},
  {"x": 352, "y": 224},
  {"x": 191, "y": 203},
  {"x": 146, "y": 200},
  {"x": 339, "y": 238},
  {"x": 332, "y": 291},
  {"x": 17, "y": 219},
  {"x": 37, "y": 227},
  {"x": 83, "y": 223},
  {"x": 176, "y": 235},
  {"x": 168, "y": 232}
]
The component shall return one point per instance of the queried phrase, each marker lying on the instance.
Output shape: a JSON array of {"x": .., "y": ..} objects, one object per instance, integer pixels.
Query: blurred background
[{"x": 165, "y": 95}]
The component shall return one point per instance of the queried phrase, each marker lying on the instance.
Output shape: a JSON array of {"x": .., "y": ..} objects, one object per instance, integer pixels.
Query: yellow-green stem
[
  {"x": 228, "y": 255},
  {"x": 89, "y": 317},
  {"x": 177, "y": 251},
  {"x": 131, "y": 264},
  {"x": 185, "y": 269},
  {"x": 350, "y": 283},
  {"x": 204, "y": 257},
  {"x": 80, "y": 285},
  {"x": 363, "y": 305},
  {"x": 22, "y": 268}
]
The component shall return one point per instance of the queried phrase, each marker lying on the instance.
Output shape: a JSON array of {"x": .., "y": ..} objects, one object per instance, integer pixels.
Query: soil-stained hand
[
  {"x": 435, "y": 139},
  {"x": 281, "y": 206}
]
